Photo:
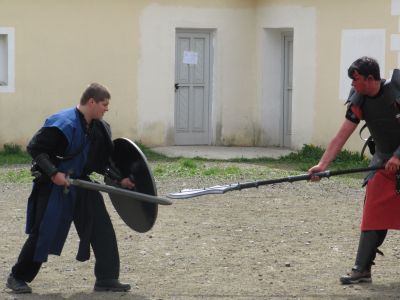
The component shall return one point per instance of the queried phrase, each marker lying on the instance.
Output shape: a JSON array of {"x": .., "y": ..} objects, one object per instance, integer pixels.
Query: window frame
[{"x": 10, "y": 33}]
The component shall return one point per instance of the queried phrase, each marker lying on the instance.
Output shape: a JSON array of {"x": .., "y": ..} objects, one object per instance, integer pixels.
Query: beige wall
[
  {"x": 318, "y": 110},
  {"x": 372, "y": 14},
  {"x": 129, "y": 46},
  {"x": 233, "y": 76},
  {"x": 61, "y": 46},
  {"x": 302, "y": 21}
]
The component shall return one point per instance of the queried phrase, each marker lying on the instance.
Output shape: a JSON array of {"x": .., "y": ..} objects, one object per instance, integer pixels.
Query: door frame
[
  {"x": 272, "y": 87},
  {"x": 211, "y": 33},
  {"x": 286, "y": 115}
]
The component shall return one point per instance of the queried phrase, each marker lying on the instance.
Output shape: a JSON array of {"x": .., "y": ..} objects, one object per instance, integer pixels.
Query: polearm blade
[
  {"x": 118, "y": 191},
  {"x": 217, "y": 189},
  {"x": 221, "y": 189}
]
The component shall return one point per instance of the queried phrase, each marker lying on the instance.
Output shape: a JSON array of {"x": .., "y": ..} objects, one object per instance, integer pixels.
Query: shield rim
[{"x": 153, "y": 189}]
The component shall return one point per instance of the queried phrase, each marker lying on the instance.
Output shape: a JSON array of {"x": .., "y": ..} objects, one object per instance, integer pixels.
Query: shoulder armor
[
  {"x": 355, "y": 98},
  {"x": 395, "y": 80},
  {"x": 392, "y": 86}
]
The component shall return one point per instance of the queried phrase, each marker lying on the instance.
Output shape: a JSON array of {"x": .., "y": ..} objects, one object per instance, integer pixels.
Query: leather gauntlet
[{"x": 45, "y": 164}]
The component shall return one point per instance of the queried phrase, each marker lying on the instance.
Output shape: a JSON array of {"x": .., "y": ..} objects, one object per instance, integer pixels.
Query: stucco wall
[
  {"x": 328, "y": 103},
  {"x": 61, "y": 46},
  {"x": 233, "y": 73},
  {"x": 320, "y": 59},
  {"x": 302, "y": 21},
  {"x": 129, "y": 47}
]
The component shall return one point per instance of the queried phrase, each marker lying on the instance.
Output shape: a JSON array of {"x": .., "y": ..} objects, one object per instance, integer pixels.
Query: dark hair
[
  {"x": 365, "y": 66},
  {"x": 97, "y": 92}
]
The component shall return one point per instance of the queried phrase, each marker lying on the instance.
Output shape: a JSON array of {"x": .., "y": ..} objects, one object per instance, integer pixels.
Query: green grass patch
[
  {"x": 295, "y": 163},
  {"x": 12, "y": 154},
  {"x": 183, "y": 167},
  {"x": 310, "y": 155},
  {"x": 15, "y": 175},
  {"x": 222, "y": 171},
  {"x": 186, "y": 167}
]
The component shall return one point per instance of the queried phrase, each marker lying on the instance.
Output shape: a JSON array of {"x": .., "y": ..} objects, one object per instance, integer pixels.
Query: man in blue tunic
[{"x": 74, "y": 142}]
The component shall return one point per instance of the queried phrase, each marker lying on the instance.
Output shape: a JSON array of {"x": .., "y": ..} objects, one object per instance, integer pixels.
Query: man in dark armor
[
  {"x": 74, "y": 142},
  {"x": 375, "y": 101}
]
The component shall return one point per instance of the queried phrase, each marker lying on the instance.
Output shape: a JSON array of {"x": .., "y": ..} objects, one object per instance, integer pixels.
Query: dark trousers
[
  {"x": 367, "y": 248},
  {"x": 101, "y": 236}
]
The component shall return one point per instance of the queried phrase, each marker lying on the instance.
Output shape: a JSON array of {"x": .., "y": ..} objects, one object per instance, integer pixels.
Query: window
[{"x": 7, "y": 60}]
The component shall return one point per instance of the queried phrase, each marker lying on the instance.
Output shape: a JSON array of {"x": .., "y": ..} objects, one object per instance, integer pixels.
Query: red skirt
[{"x": 382, "y": 203}]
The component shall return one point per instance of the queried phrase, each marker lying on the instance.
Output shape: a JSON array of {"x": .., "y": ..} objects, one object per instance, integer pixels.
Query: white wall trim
[
  {"x": 10, "y": 32},
  {"x": 356, "y": 43},
  {"x": 395, "y": 7},
  {"x": 302, "y": 21}
]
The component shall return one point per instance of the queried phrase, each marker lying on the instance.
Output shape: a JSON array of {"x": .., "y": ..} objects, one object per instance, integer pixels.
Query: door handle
[{"x": 177, "y": 86}]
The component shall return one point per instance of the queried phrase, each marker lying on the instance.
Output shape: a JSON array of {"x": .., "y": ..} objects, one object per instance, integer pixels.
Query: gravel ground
[{"x": 285, "y": 241}]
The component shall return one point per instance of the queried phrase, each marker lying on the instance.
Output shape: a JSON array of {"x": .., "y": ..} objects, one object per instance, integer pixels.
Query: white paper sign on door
[{"x": 190, "y": 57}]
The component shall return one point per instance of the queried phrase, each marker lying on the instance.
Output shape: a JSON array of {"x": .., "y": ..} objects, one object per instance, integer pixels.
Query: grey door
[
  {"x": 192, "y": 88},
  {"x": 287, "y": 38}
]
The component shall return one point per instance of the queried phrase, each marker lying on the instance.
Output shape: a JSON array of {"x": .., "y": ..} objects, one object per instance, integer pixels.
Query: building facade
[{"x": 193, "y": 72}]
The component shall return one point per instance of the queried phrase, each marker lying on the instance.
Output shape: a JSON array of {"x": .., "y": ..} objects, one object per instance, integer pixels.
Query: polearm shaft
[
  {"x": 118, "y": 191},
  {"x": 221, "y": 189},
  {"x": 324, "y": 174}
]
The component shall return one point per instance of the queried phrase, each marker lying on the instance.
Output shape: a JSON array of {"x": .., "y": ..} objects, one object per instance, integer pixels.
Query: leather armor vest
[{"x": 382, "y": 114}]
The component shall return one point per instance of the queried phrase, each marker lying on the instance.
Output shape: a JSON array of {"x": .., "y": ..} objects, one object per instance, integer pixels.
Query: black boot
[
  {"x": 112, "y": 285},
  {"x": 18, "y": 286},
  {"x": 367, "y": 249},
  {"x": 356, "y": 276}
]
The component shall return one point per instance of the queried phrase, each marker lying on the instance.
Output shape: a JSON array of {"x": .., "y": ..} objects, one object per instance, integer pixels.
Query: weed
[{"x": 11, "y": 149}]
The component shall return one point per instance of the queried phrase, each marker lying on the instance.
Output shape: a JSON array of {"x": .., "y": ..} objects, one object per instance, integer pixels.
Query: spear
[{"x": 222, "y": 189}]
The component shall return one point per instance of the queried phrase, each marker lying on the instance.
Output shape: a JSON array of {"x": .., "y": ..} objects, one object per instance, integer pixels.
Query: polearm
[
  {"x": 118, "y": 191},
  {"x": 222, "y": 189}
]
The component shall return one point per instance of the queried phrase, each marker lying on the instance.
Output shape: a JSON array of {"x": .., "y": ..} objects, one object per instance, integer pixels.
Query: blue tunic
[{"x": 58, "y": 216}]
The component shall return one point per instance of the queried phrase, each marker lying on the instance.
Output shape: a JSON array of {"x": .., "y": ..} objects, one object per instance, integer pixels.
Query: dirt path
[{"x": 288, "y": 241}]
